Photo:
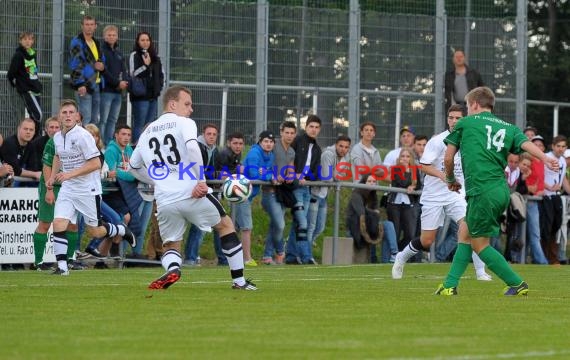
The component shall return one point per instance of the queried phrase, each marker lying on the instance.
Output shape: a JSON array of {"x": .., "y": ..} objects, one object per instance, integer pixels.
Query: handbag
[{"x": 137, "y": 86}]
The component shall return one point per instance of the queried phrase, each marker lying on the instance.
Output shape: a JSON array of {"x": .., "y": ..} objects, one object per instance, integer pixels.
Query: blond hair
[{"x": 94, "y": 131}]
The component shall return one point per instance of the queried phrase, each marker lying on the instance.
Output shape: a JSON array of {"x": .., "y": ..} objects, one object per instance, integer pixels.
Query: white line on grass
[{"x": 528, "y": 354}]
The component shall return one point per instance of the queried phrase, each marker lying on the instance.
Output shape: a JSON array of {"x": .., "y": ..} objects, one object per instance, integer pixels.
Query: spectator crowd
[{"x": 101, "y": 74}]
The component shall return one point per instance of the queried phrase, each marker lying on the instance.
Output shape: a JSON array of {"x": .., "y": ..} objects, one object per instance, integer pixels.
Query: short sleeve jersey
[
  {"x": 162, "y": 151},
  {"x": 435, "y": 190},
  {"x": 74, "y": 149},
  {"x": 47, "y": 158},
  {"x": 485, "y": 142}
]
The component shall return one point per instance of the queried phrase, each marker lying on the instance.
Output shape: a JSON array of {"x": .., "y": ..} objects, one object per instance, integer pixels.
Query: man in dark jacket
[
  {"x": 115, "y": 81},
  {"x": 16, "y": 151},
  {"x": 23, "y": 75},
  {"x": 307, "y": 163},
  {"x": 459, "y": 81}
]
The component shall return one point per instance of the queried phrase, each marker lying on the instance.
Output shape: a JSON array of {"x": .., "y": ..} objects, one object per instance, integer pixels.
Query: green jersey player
[{"x": 485, "y": 142}]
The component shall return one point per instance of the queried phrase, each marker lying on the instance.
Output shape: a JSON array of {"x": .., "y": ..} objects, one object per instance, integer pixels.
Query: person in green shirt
[{"x": 485, "y": 142}]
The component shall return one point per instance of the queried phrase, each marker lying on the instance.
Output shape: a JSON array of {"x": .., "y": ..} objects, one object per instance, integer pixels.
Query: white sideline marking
[{"x": 528, "y": 354}]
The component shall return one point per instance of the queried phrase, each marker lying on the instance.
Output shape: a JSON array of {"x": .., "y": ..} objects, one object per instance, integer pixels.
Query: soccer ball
[{"x": 236, "y": 190}]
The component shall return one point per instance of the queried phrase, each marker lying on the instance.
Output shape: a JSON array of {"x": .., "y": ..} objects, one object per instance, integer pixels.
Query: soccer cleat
[
  {"x": 484, "y": 277},
  {"x": 398, "y": 268},
  {"x": 521, "y": 290},
  {"x": 250, "y": 263},
  {"x": 95, "y": 253},
  {"x": 165, "y": 280},
  {"x": 59, "y": 271},
  {"x": 41, "y": 267},
  {"x": 247, "y": 286},
  {"x": 129, "y": 236},
  {"x": 76, "y": 265},
  {"x": 445, "y": 291}
]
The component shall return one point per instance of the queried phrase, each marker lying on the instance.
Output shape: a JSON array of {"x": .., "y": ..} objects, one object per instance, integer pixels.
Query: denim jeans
[
  {"x": 144, "y": 111},
  {"x": 445, "y": 247},
  {"x": 145, "y": 212},
  {"x": 317, "y": 218},
  {"x": 533, "y": 233},
  {"x": 108, "y": 215},
  {"x": 389, "y": 241},
  {"x": 303, "y": 196},
  {"x": 194, "y": 242},
  {"x": 110, "y": 108},
  {"x": 89, "y": 105},
  {"x": 276, "y": 212}
]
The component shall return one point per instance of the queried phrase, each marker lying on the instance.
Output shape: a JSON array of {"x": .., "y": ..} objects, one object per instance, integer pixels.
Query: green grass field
[{"x": 322, "y": 312}]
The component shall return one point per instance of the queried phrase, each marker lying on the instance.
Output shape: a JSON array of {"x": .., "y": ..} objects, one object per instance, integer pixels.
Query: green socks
[
  {"x": 40, "y": 241},
  {"x": 460, "y": 262},
  {"x": 72, "y": 239},
  {"x": 497, "y": 264}
]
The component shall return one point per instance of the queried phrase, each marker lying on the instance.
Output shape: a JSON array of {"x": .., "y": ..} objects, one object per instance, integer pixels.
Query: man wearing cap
[
  {"x": 530, "y": 132},
  {"x": 257, "y": 165},
  {"x": 407, "y": 137}
]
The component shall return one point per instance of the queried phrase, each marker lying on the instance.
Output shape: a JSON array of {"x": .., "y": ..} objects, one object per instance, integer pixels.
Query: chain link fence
[{"x": 254, "y": 64}]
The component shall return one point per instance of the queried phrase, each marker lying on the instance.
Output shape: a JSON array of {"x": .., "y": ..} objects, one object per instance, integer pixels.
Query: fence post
[
  {"x": 440, "y": 47},
  {"x": 353, "y": 70},
  {"x": 261, "y": 66},
  {"x": 336, "y": 220},
  {"x": 222, "y": 137},
  {"x": 58, "y": 25}
]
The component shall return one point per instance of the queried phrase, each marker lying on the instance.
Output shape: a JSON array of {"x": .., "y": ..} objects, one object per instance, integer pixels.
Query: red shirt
[{"x": 536, "y": 176}]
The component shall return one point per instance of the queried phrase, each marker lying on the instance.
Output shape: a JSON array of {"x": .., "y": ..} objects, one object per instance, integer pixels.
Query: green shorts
[
  {"x": 45, "y": 210},
  {"x": 484, "y": 211}
]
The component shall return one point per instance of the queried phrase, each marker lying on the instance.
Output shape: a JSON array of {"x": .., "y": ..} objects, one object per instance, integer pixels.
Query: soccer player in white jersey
[
  {"x": 169, "y": 157},
  {"x": 78, "y": 158},
  {"x": 437, "y": 201}
]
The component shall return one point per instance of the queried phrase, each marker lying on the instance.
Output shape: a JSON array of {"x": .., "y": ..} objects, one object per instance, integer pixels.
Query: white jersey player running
[
  {"x": 78, "y": 158},
  {"x": 437, "y": 201},
  {"x": 168, "y": 156}
]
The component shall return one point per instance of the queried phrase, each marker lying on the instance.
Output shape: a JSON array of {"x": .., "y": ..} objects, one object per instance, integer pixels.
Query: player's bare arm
[
  {"x": 90, "y": 165},
  {"x": 532, "y": 149},
  {"x": 55, "y": 166},
  {"x": 433, "y": 171},
  {"x": 449, "y": 164}
]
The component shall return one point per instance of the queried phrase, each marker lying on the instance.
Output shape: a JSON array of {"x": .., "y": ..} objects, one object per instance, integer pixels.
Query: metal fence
[{"x": 253, "y": 64}]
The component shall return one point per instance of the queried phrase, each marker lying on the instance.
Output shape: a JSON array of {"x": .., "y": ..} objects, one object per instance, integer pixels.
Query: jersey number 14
[{"x": 497, "y": 140}]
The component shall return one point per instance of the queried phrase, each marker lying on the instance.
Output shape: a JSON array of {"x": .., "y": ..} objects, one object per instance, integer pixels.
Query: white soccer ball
[{"x": 236, "y": 190}]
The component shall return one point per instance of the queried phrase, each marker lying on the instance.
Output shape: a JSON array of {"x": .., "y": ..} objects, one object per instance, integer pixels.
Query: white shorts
[
  {"x": 173, "y": 218},
  {"x": 67, "y": 206},
  {"x": 433, "y": 215}
]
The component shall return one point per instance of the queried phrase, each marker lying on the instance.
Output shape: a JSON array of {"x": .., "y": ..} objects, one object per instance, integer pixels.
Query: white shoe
[
  {"x": 484, "y": 277},
  {"x": 398, "y": 268}
]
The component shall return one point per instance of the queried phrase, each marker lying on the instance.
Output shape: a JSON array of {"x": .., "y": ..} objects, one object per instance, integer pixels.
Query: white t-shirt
[
  {"x": 391, "y": 158},
  {"x": 74, "y": 148},
  {"x": 551, "y": 177},
  {"x": 435, "y": 190},
  {"x": 164, "y": 142}
]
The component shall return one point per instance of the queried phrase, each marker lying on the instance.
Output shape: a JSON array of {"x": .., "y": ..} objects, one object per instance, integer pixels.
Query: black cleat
[
  {"x": 59, "y": 271},
  {"x": 129, "y": 236},
  {"x": 95, "y": 253}
]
